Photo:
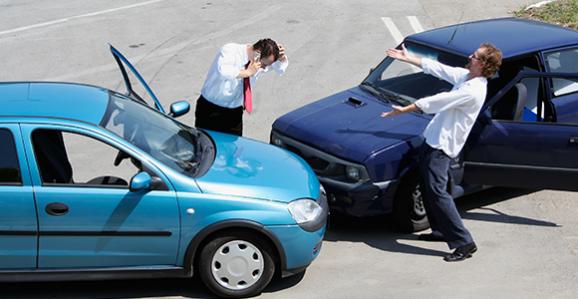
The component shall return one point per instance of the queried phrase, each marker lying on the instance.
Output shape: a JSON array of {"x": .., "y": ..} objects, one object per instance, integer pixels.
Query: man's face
[
  {"x": 475, "y": 62},
  {"x": 267, "y": 61}
]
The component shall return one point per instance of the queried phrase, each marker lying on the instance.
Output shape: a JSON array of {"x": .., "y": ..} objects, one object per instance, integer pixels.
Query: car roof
[
  {"x": 513, "y": 36},
  {"x": 71, "y": 101}
]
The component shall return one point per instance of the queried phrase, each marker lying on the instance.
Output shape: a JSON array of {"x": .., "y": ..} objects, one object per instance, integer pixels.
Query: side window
[
  {"x": 70, "y": 158},
  {"x": 9, "y": 169},
  {"x": 565, "y": 61},
  {"x": 520, "y": 103}
]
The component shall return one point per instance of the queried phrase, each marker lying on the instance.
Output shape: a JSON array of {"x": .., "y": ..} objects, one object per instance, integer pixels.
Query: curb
[{"x": 539, "y": 4}]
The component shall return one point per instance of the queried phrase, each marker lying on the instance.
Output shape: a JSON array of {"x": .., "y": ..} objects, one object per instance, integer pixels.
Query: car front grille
[{"x": 323, "y": 164}]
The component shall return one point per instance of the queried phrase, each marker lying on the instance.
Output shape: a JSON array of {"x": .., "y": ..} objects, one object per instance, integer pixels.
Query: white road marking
[
  {"x": 395, "y": 33},
  {"x": 268, "y": 12},
  {"x": 415, "y": 24},
  {"x": 64, "y": 20}
]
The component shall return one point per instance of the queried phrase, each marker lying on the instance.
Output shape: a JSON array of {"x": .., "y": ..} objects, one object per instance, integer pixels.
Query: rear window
[
  {"x": 9, "y": 169},
  {"x": 563, "y": 62}
]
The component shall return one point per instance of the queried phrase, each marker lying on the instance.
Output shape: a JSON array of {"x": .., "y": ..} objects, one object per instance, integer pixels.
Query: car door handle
[
  {"x": 56, "y": 209},
  {"x": 574, "y": 140}
]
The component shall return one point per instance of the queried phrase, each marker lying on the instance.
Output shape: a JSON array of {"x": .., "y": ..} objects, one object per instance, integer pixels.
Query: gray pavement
[{"x": 528, "y": 240}]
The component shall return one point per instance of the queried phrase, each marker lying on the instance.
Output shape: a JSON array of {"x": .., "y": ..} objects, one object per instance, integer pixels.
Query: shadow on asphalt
[
  {"x": 491, "y": 196},
  {"x": 376, "y": 232},
  {"x": 379, "y": 233},
  {"x": 187, "y": 288}
]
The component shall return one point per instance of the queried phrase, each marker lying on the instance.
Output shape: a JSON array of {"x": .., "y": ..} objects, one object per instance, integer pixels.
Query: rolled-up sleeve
[
  {"x": 280, "y": 66},
  {"x": 450, "y": 74},
  {"x": 444, "y": 101},
  {"x": 226, "y": 64}
]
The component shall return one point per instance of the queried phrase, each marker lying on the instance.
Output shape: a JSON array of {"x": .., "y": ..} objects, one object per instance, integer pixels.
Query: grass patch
[{"x": 559, "y": 12}]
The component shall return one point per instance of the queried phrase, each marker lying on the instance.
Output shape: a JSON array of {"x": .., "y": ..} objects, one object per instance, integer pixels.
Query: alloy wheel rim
[
  {"x": 237, "y": 265},
  {"x": 417, "y": 198}
]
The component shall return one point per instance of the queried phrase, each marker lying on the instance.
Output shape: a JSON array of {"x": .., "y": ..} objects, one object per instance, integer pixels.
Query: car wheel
[
  {"x": 408, "y": 210},
  {"x": 236, "y": 264}
]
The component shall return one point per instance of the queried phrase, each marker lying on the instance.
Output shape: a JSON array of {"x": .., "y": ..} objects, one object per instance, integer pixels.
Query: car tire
[
  {"x": 236, "y": 264},
  {"x": 408, "y": 211}
]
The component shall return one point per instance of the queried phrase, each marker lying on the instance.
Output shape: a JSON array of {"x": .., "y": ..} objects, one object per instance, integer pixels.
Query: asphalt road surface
[{"x": 527, "y": 239}]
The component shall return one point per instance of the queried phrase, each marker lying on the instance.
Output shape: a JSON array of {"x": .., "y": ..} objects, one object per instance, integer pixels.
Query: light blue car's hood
[{"x": 248, "y": 168}]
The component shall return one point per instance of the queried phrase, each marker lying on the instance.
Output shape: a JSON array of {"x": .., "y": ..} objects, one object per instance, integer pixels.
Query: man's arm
[
  {"x": 250, "y": 70},
  {"x": 450, "y": 74},
  {"x": 444, "y": 101},
  {"x": 282, "y": 63},
  {"x": 226, "y": 65},
  {"x": 399, "y": 110},
  {"x": 433, "y": 104},
  {"x": 403, "y": 55},
  {"x": 453, "y": 75}
]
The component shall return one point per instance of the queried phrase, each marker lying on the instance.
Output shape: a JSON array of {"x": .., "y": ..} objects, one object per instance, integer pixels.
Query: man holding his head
[
  {"x": 455, "y": 114},
  {"x": 227, "y": 88}
]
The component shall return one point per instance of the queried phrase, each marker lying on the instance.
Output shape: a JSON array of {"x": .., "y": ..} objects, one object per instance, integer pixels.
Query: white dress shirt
[
  {"x": 455, "y": 111},
  {"x": 222, "y": 87}
]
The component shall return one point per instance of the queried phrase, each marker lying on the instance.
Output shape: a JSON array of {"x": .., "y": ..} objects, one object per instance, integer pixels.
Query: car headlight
[
  {"x": 311, "y": 215},
  {"x": 353, "y": 172},
  {"x": 276, "y": 140},
  {"x": 304, "y": 210}
]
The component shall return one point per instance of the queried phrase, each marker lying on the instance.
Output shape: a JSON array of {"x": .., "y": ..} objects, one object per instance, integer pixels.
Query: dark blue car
[{"x": 525, "y": 136}]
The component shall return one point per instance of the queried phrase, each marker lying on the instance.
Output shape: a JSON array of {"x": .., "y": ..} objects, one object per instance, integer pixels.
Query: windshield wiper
[
  {"x": 385, "y": 94},
  {"x": 374, "y": 90},
  {"x": 393, "y": 97},
  {"x": 195, "y": 163}
]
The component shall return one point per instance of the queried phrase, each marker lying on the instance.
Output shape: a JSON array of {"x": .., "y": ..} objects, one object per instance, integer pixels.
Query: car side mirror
[
  {"x": 141, "y": 181},
  {"x": 179, "y": 108}
]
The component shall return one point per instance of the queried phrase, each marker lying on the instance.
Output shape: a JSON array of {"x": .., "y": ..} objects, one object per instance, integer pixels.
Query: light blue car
[{"x": 98, "y": 185}]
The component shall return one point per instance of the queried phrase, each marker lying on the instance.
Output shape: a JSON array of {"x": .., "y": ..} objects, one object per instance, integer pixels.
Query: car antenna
[
  {"x": 456, "y": 29},
  {"x": 453, "y": 35}
]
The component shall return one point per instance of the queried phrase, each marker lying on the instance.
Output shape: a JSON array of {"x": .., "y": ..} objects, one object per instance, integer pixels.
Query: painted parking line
[
  {"x": 64, "y": 20},
  {"x": 395, "y": 33},
  {"x": 394, "y": 30},
  {"x": 415, "y": 24},
  {"x": 177, "y": 48}
]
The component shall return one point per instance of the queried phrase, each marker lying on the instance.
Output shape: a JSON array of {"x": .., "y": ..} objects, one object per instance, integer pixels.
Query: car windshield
[
  {"x": 165, "y": 139},
  {"x": 403, "y": 83}
]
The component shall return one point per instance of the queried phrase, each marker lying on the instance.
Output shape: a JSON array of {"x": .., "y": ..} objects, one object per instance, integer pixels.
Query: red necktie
[{"x": 247, "y": 96}]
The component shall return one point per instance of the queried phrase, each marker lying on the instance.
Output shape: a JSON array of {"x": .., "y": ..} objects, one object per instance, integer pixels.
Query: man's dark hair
[{"x": 267, "y": 47}]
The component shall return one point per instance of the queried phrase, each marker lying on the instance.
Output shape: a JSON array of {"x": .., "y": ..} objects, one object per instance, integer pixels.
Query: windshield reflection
[
  {"x": 230, "y": 159},
  {"x": 402, "y": 83},
  {"x": 163, "y": 138}
]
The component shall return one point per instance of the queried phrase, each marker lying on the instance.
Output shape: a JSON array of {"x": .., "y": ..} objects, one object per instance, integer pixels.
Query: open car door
[
  {"x": 122, "y": 62},
  {"x": 525, "y": 145}
]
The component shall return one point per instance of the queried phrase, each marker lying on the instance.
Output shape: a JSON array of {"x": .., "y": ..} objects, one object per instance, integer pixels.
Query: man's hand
[
  {"x": 252, "y": 69},
  {"x": 398, "y": 54},
  {"x": 395, "y": 111},
  {"x": 282, "y": 56},
  {"x": 404, "y": 55}
]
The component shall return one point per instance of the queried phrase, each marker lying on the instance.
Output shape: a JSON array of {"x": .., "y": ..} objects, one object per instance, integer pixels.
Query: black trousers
[
  {"x": 214, "y": 117},
  {"x": 442, "y": 213}
]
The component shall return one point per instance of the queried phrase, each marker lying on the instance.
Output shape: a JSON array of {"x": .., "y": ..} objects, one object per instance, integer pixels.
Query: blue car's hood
[
  {"x": 339, "y": 127},
  {"x": 248, "y": 168}
]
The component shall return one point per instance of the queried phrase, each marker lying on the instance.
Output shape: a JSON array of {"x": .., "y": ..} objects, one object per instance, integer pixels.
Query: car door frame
[
  {"x": 112, "y": 141},
  {"x": 20, "y": 236},
  {"x": 122, "y": 61},
  {"x": 479, "y": 170},
  {"x": 549, "y": 86}
]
